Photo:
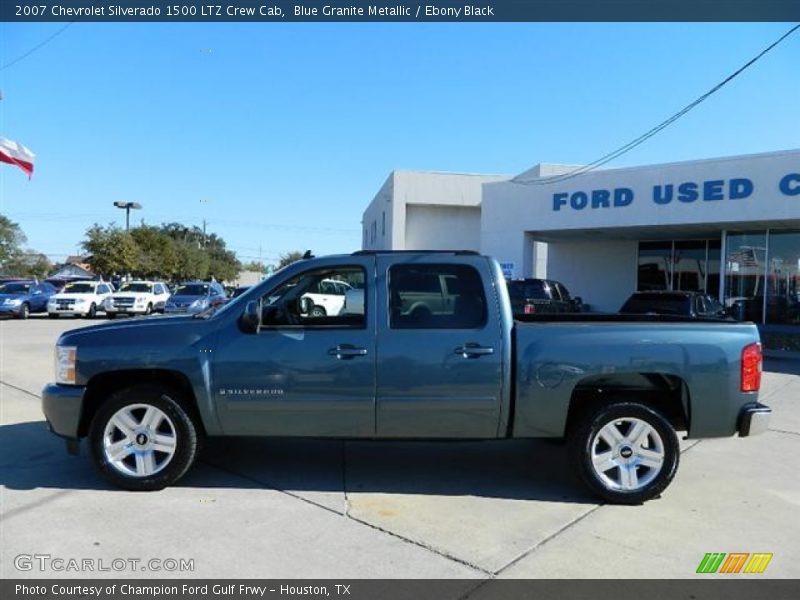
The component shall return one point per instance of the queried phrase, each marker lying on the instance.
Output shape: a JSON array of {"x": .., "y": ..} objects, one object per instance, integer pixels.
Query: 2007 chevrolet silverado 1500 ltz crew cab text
[{"x": 402, "y": 361}]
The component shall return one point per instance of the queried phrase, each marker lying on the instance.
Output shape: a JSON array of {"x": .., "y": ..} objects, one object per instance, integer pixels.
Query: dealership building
[{"x": 727, "y": 226}]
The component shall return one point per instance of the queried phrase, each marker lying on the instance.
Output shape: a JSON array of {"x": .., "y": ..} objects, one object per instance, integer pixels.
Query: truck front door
[
  {"x": 440, "y": 367},
  {"x": 302, "y": 374}
]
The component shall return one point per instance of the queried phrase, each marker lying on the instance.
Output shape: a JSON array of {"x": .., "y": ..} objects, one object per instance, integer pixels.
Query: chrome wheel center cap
[
  {"x": 142, "y": 439},
  {"x": 626, "y": 452}
]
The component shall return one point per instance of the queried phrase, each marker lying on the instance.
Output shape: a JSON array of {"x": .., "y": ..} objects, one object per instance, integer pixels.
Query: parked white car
[
  {"x": 137, "y": 298},
  {"x": 79, "y": 299},
  {"x": 328, "y": 297}
]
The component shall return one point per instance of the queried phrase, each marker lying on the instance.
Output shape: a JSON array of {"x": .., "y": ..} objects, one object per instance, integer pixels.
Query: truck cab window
[
  {"x": 442, "y": 296},
  {"x": 318, "y": 298}
]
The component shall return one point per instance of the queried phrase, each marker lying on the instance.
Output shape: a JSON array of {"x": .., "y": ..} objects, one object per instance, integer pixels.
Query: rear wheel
[
  {"x": 143, "y": 438},
  {"x": 317, "y": 312},
  {"x": 626, "y": 452}
]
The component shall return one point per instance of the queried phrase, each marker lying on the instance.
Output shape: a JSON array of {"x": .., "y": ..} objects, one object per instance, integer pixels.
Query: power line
[
  {"x": 663, "y": 125},
  {"x": 36, "y": 47}
]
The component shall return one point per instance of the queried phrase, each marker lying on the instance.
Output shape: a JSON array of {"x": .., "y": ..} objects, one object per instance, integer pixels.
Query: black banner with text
[{"x": 397, "y": 10}]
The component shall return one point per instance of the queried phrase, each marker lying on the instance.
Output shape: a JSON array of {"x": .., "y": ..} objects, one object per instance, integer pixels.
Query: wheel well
[
  {"x": 101, "y": 386},
  {"x": 667, "y": 394}
]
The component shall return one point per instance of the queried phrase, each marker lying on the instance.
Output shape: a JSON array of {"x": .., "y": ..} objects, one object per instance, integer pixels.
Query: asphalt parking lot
[{"x": 256, "y": 508}]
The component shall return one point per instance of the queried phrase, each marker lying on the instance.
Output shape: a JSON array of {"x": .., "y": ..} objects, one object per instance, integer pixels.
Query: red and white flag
[{"x": 16, "y": 154}]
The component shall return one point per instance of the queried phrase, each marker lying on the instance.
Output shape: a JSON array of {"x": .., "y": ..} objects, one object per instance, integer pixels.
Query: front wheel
[
  {"x": 148, "y": 310},
  {"x": 24, "y": 311},
  {"x": 143, "y": 438},
  {"x": 92, "y": 312},
  {"x": 317, "y": 312},
  {"x": 625, "y": 452}
]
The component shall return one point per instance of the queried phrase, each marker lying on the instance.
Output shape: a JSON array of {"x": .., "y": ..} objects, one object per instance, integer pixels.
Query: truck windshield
[
  {"x": 79, "y": 288},
  {"x": 137, "y": 287}
]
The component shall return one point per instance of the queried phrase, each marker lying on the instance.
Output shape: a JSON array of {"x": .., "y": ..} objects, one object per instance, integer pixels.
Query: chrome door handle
[
  {"x": 474, "y": 350},
  {"x": 347, "y": 351}
]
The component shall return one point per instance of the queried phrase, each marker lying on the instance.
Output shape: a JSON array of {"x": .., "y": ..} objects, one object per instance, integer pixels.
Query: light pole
[{"x": 128, "y": 206}]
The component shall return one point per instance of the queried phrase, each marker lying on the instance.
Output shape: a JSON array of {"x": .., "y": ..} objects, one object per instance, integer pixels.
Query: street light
[{"x": 128, "y": 206}]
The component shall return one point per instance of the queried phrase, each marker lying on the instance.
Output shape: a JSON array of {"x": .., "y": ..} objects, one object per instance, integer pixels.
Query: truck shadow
[
  {"x": 516, "y": 469},
  {"x": 785, "y": 366}
]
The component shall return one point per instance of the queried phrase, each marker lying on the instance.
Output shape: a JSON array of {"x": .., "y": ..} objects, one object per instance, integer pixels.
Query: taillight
[
  {"x": 751, "y": 368},
  {"x": 530, "y": 309}
]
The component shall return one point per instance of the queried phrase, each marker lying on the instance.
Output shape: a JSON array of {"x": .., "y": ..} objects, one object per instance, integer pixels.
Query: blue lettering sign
[
  {"x": 712, "y": 190},
  {"x": 662, "y": 194},
  {"x": 559, "y": 200},
  {"x": 600, "y": 198},
  {"x": 578, "y": 200},
  {"x": 687, "y": 192},
  {"x": 623, "y": 196},
  {"x": 790, "y": 184},
  {"x": 740, "y": 188}
]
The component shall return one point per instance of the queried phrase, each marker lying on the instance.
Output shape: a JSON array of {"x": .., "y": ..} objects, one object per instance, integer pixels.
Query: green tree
[
  {"x": 289, "y": 258},
  {"x": 192, "y": 261},
  {"x": 157, "y": 253},
  {"x": 28, "y": 264},
  {"x": 111, "y": 250},
  {"x": 11, "y": 240}
]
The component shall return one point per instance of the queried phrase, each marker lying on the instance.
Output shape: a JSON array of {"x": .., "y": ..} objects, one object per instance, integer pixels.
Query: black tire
[
  {"x": 584, "y": 440},
  {"x": 317, "y": 312},
  {"x": 24, "y": 311},
  {"x": 148, "y": 310},
  {"x": 186, "y": 435},
  {"x": 92, "y": 312}
]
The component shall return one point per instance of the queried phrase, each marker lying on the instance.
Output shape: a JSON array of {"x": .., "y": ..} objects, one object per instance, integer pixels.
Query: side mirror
[
  {"x": 304, "y": 305},
  {"x": 250, "y": 319}
]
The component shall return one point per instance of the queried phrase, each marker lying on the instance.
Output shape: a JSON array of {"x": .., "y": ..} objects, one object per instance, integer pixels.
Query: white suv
[
  {"x": 79, "y": 299},
  {"x": 328, "y": 297},
  {"x": 137, "y": 298}
]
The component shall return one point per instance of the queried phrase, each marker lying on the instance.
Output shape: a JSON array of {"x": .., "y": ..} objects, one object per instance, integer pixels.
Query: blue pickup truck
[{"x": 423, "y": 347}]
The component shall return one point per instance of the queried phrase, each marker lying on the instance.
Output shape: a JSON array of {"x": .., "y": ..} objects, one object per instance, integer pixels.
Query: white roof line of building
[
  {"x": 669, "y": 164},
  {"x": 454, "y": 173}
]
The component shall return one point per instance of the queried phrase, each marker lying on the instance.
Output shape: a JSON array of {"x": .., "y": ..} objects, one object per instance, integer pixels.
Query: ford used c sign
[{"x": 686, "y": 192}]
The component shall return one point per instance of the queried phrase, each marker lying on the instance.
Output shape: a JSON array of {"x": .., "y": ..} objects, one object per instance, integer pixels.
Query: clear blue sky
[{"x": 287, "y": 131}]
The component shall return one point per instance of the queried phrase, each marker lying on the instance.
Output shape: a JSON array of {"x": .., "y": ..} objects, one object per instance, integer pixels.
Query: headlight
[
  {"x": 108, "y": 302},
  {"x": 66, "y": 358},
  {"x": 13, "y": 301},
  {"x": 80, "y": 300},
  {"x": 199, "y": 302}
]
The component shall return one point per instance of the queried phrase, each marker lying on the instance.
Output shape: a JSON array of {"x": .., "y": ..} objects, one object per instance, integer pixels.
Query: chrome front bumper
[{"x": 754, "y": 419}]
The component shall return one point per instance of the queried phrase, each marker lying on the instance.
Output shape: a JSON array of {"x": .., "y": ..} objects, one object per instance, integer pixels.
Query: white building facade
[{"x": 729, "y": 227}]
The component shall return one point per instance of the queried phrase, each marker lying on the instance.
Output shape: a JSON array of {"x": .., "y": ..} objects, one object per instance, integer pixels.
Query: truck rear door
[{"x": 439, "y": 365}]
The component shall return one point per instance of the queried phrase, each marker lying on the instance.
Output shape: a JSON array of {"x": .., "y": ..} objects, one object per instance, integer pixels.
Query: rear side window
[
  {"x": 436, "y": 297},
  {"x": 533, "y": 289}
]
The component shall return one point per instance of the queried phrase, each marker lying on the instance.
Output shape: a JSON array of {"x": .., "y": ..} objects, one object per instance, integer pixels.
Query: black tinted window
[
  {"x": 533, "y": 289},
  {"x": 416, "y": 304}
]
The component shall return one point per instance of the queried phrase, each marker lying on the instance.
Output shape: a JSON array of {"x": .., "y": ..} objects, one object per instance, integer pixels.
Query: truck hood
[{"x": 119, "y": 332}]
